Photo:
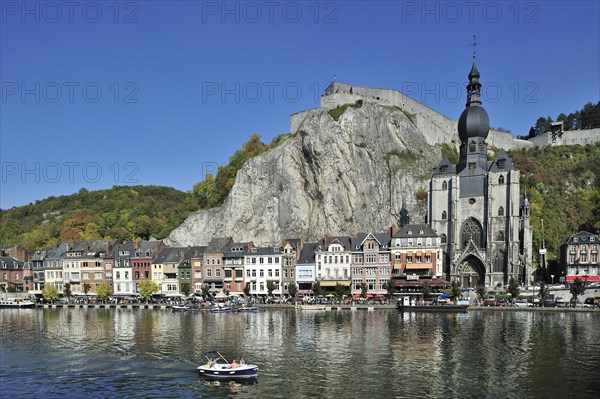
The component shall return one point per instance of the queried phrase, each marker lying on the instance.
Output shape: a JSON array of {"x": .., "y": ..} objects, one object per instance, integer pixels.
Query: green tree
[
  {"x": 316, "y": 288},
  {"x": 363, "y": 290},
  {"x": 577, "y": 288},
  {"x": 481, "y": 291},
  {"x": 86, "y": 289},
  {"x": 389, "y": 286},
  {"x": 271, "y": 287},
  {"x": 67, "y": 291},
  {"x": 426, "y": 290},
  {"x": 292, "y": 289},
  {"x": 103, "y": 291},
  {"x": 206, "y": 291},
  {"x": 340, "y": 290},
  {"x": 455, "y": 290},
  {"x": 543, "y": 293},
  {"x": 146, "y": 288},
  {"x": 513, "y": 289},
  {"x": 50, "y": 292},
  {"x": 247, "y": 289},
  {"x": 185, "y": 289}
]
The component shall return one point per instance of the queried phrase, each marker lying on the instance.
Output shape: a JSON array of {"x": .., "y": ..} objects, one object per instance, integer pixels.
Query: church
[{"x": 477, "y": 208}]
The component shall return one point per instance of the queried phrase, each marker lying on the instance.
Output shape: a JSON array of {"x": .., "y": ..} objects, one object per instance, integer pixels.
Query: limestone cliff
[{"x": 330, "y": 176}]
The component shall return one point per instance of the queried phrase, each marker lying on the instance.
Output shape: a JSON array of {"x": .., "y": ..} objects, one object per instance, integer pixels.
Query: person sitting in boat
[
  {"x": 242, "y": 362},
  {"x": 234, "y": 364}
]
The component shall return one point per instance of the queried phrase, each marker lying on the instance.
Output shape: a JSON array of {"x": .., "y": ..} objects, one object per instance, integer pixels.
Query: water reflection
[{"x": 141, "y": 353}]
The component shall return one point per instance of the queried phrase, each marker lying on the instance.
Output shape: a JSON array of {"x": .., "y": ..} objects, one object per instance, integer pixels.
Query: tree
[
  {"x": 292, "y": 289},
  {"x": 247, "y": 289},
  {"x": 389, "y": 286},
  {"x": 86, "y": 289},
  {"x": 67, "y": 291},
  {"x": 186, "y": 289},
  {"x": 316, "y": 288},
  {"x": 206, "y": 291},
  {"x": 513, "y": 288},
  {"x": 50, "y": 292},
  {"x": 103, "y": 291},
  {"x": 455, "y": 290},
  {"x": 426, "y": 290},
  {"x": 271, "y": 287},
  {"x": 363, "y": 290},
  {"x": 146, "y": 288},
  {"x": 481, "y": 291},
  {"x": 339, "y": 290},
  {"x": 577, "y": 288},
  {"x": 543, "y": 292}
]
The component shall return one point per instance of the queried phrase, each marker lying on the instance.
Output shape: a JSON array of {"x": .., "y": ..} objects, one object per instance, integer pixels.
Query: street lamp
[{"x": 552, "y": 275}]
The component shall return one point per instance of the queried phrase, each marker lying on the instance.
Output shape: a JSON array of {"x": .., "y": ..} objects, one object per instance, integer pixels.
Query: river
[{"x": 135, "y": 353}]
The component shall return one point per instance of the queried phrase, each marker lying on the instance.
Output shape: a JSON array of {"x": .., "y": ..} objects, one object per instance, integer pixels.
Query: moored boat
[
  {"x": 431, "y": 308},
  {"x": 17, "y": 304},
  {"x": 179, "y": 308},
  {"x": 214, "y": 370},
  {"x": 221, "y": 309}
]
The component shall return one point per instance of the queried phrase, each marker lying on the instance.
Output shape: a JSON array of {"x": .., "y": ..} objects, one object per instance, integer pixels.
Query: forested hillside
[
  {"x": 563, "y": 186},
  {"x": 125, "y": 213}
]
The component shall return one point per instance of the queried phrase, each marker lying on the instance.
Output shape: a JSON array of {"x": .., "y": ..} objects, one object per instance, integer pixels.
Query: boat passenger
[
  {"x": 234, "y": 364},
  {"x": 242, "y": 362}
]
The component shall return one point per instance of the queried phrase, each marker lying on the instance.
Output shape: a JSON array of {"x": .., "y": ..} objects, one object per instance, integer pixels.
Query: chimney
[
  {"x": 136, "y": 245},
  {"x": 391, "y": 231},
  {"x": 250, "y": 246},
  {"x": 181, "y": 255},
  {"x": 325, "y": 241}
]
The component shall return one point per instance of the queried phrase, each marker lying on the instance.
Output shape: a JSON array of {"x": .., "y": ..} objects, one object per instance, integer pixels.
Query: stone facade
[{"x": 477, "y": 209}]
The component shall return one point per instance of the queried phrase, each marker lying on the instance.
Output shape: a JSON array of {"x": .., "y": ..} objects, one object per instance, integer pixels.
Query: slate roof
[
  {"x": 502, "y": 156},
  {"x": 583, "y": 237},
  {"x": 382, "y": 238},
  {"x": 10, "y": 263},
  {"x": 403, "y": 232},
  {"x": 236, "y": 250},
  {"x": 265, "y": 251},
  {"x": 218, "y": 245},
  {"x": 450, "y": 168},
  {"x": 170, "y": 255},
  {"x": 343, "y": 240},
  {"x": 307, "y": 255}
]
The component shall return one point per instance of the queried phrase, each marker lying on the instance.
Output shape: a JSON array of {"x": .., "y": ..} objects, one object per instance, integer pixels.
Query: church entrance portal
[{"x": 471, "y": 273}]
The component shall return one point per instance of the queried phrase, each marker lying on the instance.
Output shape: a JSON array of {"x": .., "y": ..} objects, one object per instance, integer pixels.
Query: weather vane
[{"x": 475, "y": 44}]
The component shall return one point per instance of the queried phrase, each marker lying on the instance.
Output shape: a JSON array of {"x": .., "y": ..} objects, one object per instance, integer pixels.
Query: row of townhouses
[
  {"x": 373, "y": 260},
  {"x": 403, "y": 259}
]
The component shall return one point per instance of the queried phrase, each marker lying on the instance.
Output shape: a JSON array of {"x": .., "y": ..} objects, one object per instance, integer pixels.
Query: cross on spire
[{"x": 474, "y": 44}]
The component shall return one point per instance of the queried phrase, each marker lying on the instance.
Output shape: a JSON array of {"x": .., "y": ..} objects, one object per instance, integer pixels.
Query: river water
[{"x": 107, "y": 353}]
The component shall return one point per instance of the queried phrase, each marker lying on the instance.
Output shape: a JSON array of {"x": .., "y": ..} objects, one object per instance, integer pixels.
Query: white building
[{"x": 262, "y": 265}]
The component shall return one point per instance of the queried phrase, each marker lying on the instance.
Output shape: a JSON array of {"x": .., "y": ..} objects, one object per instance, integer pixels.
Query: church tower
[{"x": 476, "y": 207}]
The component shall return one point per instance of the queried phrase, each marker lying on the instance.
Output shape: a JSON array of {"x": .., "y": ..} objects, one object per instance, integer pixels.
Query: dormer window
[
  {"x": 444, "y": 169},
  {"x": 409, "y": 232},
  {"x": 501, "y": 163}
]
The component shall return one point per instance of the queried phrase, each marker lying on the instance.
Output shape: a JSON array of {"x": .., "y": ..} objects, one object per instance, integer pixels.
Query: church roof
[
  {"x": 444, "y": 167},
  {"x": 501, "y": 163}
]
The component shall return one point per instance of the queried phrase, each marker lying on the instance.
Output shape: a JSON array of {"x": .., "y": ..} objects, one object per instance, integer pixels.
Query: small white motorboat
[{"x": 214, "y": 370}]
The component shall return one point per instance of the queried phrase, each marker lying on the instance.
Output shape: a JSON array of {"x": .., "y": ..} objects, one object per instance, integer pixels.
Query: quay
[{"x": 369, "y": 308}]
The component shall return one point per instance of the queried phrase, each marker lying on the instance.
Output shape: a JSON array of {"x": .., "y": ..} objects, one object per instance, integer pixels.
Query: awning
[
  {"x": 412, "y": 266},
  {"x": 369, "y": 295},
  {"x": 379, "y": 296},
  {"x": 356, "y": 296},
  {"x": 584, "y": 279},
  {"x": 334, "y": 283}
]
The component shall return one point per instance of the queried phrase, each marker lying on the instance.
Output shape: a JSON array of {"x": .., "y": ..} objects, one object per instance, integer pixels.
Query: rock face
[{"x": 333, "y": 177}]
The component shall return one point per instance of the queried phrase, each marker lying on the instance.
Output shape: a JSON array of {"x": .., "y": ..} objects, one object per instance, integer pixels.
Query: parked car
[
  {"x": 522, "y": 303},
  {"x": 548, "y": 303},
  {"x": 589, "y": 303},
  {"x": 492, "y": 302},
  {"x": 560, "y": 302}
]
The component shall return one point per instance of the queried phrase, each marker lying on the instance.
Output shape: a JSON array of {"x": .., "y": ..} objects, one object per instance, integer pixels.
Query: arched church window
[
  {"x": 501, "y": 211},
  {"x": 501, "y": 179},
  {"x": 481, "y": 147},
  {"x": 444, "y": 215},
  {"x": 444, "y": 238},
  {"x": 500, "y": 236},
  {"x": 498, "y": 262},
  {"x": 472, "y": 146},
  {"x": 445, "y": 185},
  {"x": 472, "y": 231}
]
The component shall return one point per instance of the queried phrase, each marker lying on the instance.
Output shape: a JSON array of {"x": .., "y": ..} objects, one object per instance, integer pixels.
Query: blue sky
[{"x": 151, "y": 92}]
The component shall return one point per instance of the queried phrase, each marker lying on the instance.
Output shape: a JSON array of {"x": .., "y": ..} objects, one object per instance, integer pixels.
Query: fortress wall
[{"x": 570, "y": 137}]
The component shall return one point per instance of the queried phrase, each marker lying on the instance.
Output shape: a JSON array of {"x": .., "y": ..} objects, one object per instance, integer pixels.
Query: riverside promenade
[{"x": 326, "y": 307}]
